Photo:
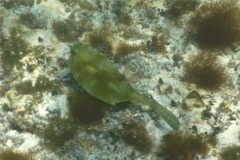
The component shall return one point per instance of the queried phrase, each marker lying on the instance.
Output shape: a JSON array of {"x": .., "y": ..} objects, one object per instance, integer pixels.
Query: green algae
[{"x": 15, "y": 155}]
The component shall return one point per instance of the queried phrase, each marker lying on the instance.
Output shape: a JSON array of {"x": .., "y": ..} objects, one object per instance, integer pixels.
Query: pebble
[
  {"x": 165, "y": 89},
  {"x": 192, "y": 100}
]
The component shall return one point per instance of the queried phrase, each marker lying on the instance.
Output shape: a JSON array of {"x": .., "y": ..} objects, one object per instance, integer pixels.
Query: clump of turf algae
[
  {"x": 135, "y": 134},
  {"x": 205, "y": 71},
  {"x": 216, "y": 24},
  {"x": 185, "y": 145},
  {"x": 14, "y": 155}
]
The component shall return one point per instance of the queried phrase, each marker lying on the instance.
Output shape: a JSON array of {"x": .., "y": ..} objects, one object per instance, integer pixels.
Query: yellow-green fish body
[{"x": 100, "y": 78}]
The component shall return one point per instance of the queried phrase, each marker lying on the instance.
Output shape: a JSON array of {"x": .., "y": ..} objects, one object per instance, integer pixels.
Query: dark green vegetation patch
[
  {"x": 12, "y": 155},
  {"x": 59, "y": 131},
  {"x": 231, "y": 153},
  {"x": 70, "y": 30},
  {"x": 42, "y": 84},
  {"x": 216, "y": 24},
  {"x": 14, "y": 49},
  {"x": 124, "y": 49},
  {"x": 9, "y": 4},
  {"x": 185, "y": 146},
  {"x": 177, "y": 8},
  {"x": 136, "y": 135},
  {"x": 31, "y": 21},
  {"x": 206, "y": 71},
  {"x": 85, "y": 108},
  {"x": 101, "y": 40}
]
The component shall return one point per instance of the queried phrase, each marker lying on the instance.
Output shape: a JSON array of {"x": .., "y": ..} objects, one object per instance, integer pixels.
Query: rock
[
  {"x": 192, "y": 100},
  {"x": 165, "y": 88}
]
